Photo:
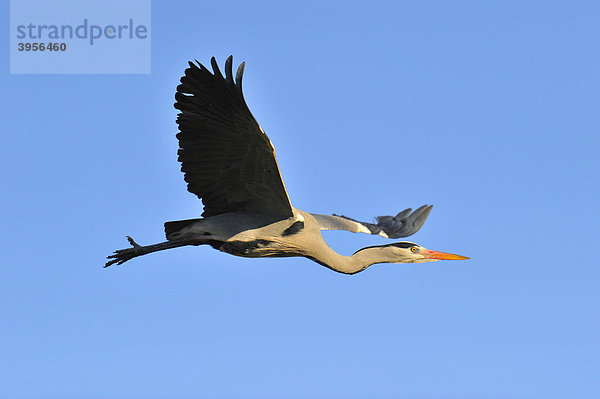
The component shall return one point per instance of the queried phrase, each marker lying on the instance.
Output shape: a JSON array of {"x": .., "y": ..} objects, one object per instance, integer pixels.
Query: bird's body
[
  {"x": 230, "y": 163},
  {"x": 248, "y": 235}
]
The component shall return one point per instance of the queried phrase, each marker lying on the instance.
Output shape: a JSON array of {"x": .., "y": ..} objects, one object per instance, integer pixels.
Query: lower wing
[{"x": 403, "y": 224}]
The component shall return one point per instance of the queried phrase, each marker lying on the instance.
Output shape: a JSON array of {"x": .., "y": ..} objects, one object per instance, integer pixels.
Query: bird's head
[{"x": 408, "y": 252}]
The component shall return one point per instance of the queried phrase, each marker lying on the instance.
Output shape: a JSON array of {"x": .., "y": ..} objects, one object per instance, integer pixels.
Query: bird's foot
[{"x": 121, "y": 256}]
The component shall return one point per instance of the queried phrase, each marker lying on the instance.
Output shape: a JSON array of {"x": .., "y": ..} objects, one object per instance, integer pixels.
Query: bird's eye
[{"x": 413, "y": 249}]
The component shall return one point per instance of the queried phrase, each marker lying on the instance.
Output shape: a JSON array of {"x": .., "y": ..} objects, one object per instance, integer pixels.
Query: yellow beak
[{"x": 427, "y": 253}]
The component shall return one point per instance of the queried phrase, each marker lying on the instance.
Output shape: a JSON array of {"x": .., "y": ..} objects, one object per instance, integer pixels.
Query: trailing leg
[{"x": 121, "y": 256}]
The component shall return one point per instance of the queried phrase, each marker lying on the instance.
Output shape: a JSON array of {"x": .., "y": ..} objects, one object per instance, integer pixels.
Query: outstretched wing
[
  {"x": 227, "y": 159},
  {"x": 403, "y": 224}
]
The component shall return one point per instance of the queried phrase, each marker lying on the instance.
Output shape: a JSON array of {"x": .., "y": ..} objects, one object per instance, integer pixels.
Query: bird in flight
[{"x": 229, "y": 163}]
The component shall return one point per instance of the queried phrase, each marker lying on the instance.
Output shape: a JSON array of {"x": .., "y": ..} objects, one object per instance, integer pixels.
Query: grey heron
[{"x": 229, "y": 163}]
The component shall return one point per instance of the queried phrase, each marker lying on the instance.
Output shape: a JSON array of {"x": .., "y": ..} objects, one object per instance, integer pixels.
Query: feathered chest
[
  {"x": 256, "y": 248},
  {"x": 272, "y": 244}
]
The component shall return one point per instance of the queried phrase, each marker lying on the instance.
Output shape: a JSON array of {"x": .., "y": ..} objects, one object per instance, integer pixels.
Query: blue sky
[{"x": 488, "y": 110}]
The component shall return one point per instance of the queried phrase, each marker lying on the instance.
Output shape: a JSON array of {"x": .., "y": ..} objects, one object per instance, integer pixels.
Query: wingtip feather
[
  {"x": 228, "y": 69},
  {"x": 215, "y": 67},
  {"x": 239, "y": 74}
]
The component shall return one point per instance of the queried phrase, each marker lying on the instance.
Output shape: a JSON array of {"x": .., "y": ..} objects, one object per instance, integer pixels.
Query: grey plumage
[
  {"x": 229, "y": 162},
  {"x": 404, "y": 224}
]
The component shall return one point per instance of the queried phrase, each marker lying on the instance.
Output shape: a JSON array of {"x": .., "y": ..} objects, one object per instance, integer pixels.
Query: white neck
[{"x": 362, "y": 259}]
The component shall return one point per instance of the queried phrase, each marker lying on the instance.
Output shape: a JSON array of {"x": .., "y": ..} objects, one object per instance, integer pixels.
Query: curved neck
[{"x": 358, "y": 262}]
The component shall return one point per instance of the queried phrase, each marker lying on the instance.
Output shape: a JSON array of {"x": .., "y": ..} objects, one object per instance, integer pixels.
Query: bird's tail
[{"x": 173, "y": 227}]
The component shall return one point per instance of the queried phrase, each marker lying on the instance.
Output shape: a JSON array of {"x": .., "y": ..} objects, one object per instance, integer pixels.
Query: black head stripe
[
  {"x": 404, "y": 244},
  {"x": 396, "y": 244}
]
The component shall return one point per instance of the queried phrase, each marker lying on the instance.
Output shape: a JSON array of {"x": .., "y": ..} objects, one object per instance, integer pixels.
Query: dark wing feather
[{"x": 227, "y": 159}]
